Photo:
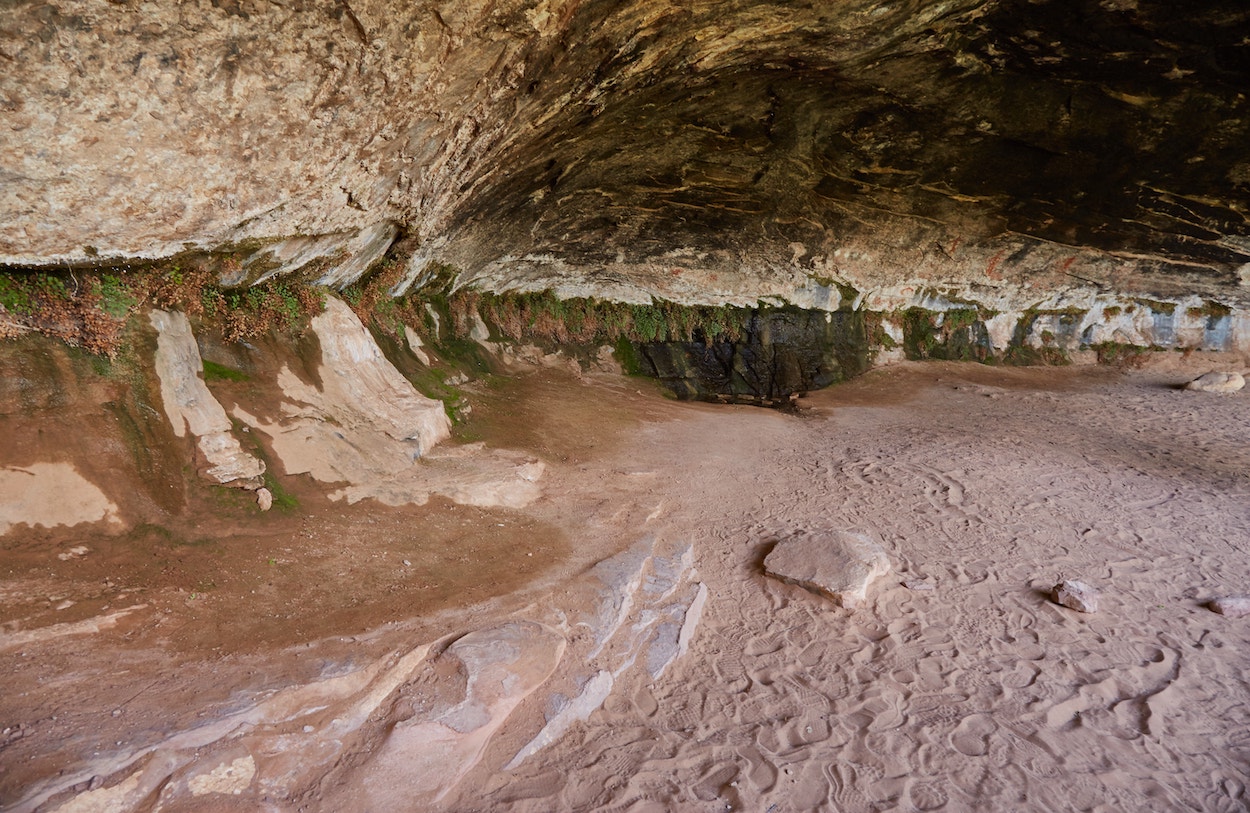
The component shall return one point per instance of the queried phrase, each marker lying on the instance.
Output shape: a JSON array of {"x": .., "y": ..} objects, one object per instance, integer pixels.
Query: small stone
[
  {"x": 1231, "y": 606},
  {"x": 1217, "y": 382},
  {"x": 917, "y": 584},
  {"x": 837, "y": 564},
  {"x": 1076, "y": 595},
  {"x": 264, "y": 499}
]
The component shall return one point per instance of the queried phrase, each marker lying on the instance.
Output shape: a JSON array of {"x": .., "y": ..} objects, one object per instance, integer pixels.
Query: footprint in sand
[
  {"x": 926, "y": 795},
  {"x": 972, "y": 736},
  {"x": 644, "y": 702},
  {"x": 715, "y": 783},
  {"x": 1022, "y": 676},
  {"x": 842, "y": 780},
  {"x": 760, "y": 773},
  {"x": 766, "y": 645},
  {"x": 888, "y": 712},
  {"x": 802, "y": 732}
]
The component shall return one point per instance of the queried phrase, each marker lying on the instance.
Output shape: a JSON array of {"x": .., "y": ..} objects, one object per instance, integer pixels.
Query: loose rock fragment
[
  {"x": 837, "y": 564},
  {"x": 1076, "y": 595},
  {"x": 1217, "y": 382},
  {"x": 1231, "y": 606},
  {"x": 264, "y": 498}
]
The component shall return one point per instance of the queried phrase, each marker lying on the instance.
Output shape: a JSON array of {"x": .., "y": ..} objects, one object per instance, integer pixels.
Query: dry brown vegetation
[{"x": 90, "y": 308}]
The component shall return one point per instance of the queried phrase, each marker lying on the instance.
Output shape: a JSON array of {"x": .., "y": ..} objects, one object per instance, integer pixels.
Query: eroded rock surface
[
  {"x": 645, "y": 605},
  {"x": 425, "y": 755},
  {"x": 50, "y": 494},
  {"x": 401, "y": 732},
  {"x": 720, "y": 152}
]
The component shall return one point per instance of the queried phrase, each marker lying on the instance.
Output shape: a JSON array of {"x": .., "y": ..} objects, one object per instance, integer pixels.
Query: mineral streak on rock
[{"x": 837, "y": 564}]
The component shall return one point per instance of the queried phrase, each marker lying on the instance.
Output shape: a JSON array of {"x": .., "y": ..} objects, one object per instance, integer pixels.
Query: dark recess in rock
[{"x": 784, "y": 352}]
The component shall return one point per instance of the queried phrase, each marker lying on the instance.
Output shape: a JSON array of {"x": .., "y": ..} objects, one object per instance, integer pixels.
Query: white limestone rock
[
  {"x": 1217, "y": 382},
  {"x": 360, "y": 387},
  {"x": 367, "y": 427},
  {"x": 1076, "y": 595},
  {"x": 838, "y": 564},
  {"x": 415, "y": 345},
  {"x": 191, "y": 407}
]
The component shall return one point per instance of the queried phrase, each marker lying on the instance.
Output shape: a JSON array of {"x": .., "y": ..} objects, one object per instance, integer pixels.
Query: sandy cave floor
[{"x": 989, "y": 484}]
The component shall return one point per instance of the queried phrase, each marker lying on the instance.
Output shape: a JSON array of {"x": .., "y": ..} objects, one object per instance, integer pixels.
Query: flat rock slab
[
  {"x": 837, "y": 564},
  {"x": 1217, "y": 382},
  {"x": 1231, "y": 606},
  {"x": 1075, "y": 595}
]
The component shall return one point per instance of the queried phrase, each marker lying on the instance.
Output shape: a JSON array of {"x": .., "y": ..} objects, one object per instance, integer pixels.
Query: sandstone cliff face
[{"x": 710, "y": 152}]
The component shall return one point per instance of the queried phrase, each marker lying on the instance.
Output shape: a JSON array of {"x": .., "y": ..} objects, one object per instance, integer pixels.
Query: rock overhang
[{"x": 699, "y": 152}]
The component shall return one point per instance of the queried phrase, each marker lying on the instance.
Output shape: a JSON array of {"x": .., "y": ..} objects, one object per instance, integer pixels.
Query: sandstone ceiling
[{"x": 704, "y": 151}]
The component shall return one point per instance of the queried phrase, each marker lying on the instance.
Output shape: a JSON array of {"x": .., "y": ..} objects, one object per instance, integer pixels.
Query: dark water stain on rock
[{"x": 782, "y": 352}]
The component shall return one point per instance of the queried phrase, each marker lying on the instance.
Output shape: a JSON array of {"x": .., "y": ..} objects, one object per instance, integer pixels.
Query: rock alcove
[
  {"x": 1061, "y": 176},
  {"x": 312, "y": 320}
]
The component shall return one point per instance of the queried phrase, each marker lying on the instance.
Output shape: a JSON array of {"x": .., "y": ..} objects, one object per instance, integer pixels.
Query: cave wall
[{"x": 999, "y": 151}]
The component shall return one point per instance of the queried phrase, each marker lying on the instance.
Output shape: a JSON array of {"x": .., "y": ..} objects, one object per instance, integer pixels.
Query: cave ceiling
[{"x": 697, "y": 150}]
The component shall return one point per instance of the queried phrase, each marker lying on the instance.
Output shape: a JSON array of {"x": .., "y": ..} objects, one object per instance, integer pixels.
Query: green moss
[
  {"x": 1211, "y": 310},
  {"x": 958, "y": 334},
  {"x": 1025, "y": 356},
  {"x": 116, "y": 298},
  {"x": 1117, "y": 353},
  {"x": 878, "y": 336},
  {"x": 627, "y": 356},
  {"x": 649, "y": 324},
  {"x": 283, "y": 500},
  {"x": 920, "y": 333},
  {"x": 1157, "y": 306},
  {"x": 957, "y": 318},
  {"x": 220, "y": 372},
  {"x": 13, "y": 296},
  {"x": 542, "y": 317}
]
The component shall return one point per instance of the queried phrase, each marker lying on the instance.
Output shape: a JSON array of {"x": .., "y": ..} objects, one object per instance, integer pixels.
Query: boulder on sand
[
  {"x": 837, "y": 564},
  {"x": 1217, "y": 382},
  {"x": 1076, "y": 595},
  {"x": 1231, "y": 606}
]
